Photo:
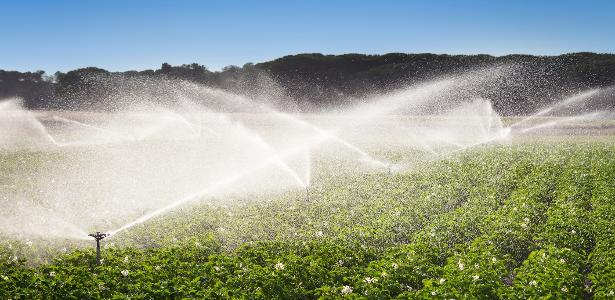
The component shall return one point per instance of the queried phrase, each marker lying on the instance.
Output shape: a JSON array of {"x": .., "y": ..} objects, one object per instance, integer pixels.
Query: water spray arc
[
  {"x": 579, "y": 97},
  {"x": 250, "y": 170},
  {"x": 173, "y": 156},
  {"x": 88, "y": 126},
  {"x": 330, "y": 134}
]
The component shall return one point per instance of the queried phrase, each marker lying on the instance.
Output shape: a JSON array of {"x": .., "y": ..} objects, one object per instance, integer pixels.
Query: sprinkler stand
[{"x": 98, "y": 236}]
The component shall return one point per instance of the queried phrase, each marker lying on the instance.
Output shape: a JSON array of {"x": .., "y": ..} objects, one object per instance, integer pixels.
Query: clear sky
[{"x": 123, "y": 35}]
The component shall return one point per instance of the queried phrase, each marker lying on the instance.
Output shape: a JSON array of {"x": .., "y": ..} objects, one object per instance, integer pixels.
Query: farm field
[
  {"x": 522, "y": 220},
  {"x": 449, "y": 150},
  {"x": 224, "y": 196}
]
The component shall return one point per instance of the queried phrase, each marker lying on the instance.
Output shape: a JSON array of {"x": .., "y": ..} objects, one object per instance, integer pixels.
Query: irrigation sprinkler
[
  {"x": 98, "y": 236},
  {"x": 307, "y": 193}
]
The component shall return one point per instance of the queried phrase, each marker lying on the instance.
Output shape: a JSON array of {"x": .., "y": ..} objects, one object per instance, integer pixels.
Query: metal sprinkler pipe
[
  {"x": 98, "y": 236},
  {"x": 307, "y": 193}
]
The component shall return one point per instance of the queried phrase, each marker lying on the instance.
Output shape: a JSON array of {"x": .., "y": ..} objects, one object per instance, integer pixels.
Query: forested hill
[{"x": 316, "y": 81}]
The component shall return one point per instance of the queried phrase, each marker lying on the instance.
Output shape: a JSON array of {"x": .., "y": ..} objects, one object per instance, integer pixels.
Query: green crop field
[
  {"x": 527, "y": 220},
  {"x": 289, "y": 150}
]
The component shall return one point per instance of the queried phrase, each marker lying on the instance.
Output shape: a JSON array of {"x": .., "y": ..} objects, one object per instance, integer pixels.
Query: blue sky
[{"x": 123, "y": 35}]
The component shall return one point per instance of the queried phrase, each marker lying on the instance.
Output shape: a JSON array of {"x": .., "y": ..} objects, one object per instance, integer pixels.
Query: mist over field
[{"x": 146, "y": 162}]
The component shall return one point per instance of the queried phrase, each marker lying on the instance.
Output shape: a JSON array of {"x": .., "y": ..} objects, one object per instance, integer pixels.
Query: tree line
[{"x": 315, "y": 81}]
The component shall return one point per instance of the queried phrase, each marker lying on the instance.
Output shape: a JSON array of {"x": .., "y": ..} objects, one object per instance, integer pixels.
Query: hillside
[{"x": 315, "y": 81}]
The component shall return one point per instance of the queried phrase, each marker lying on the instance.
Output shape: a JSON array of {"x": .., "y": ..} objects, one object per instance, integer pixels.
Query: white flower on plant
[
  {"x": 573, "y": 231},
  {"x": 476, "y": 266},
  {"x": 340, "y": 263},
  {"x": 319, "y": 233},
  {"x": 29, "y": 243},
  {"x": 394, "y": 266},
  {"x": 125, "y": 273},
  {"x": 611, "y": 293},
  {"x": 157, "y": 268},
  {"x": 126, "y": 259},
  {"x": 370, "y": 280},
  {"x": 533, "y": 283},
  {"x": 197, "y": 244},
  {"x": 493, "y": 259},
  {"x": 63, "y": 249},
  {"x": 442, "y": 280},
  {"x": 346, "y": 290},
  {"x": 52, "y": 274},
  {"x": 562, "y": 261},
  {"x": 384, "y": 274},
  {"x": 564, "y": 289},
  {"x": 523, "y": 225},
  {"x": 526, "y": 220},
  {"x": 461, "y": 265},
  {"x": 279, "y": 266},
  {"x": 5, "y": 278},
  {"x": 433, "y": 293},
  {"x": 475, "y": 277},
  {"x": 217, "y": 268}
]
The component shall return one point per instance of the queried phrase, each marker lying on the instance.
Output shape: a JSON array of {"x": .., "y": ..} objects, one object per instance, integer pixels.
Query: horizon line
[{"x": 312, "y": 53}]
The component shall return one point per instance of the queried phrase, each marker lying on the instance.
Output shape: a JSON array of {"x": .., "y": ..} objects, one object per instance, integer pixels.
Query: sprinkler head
[{"x": 98, "y": 235}]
